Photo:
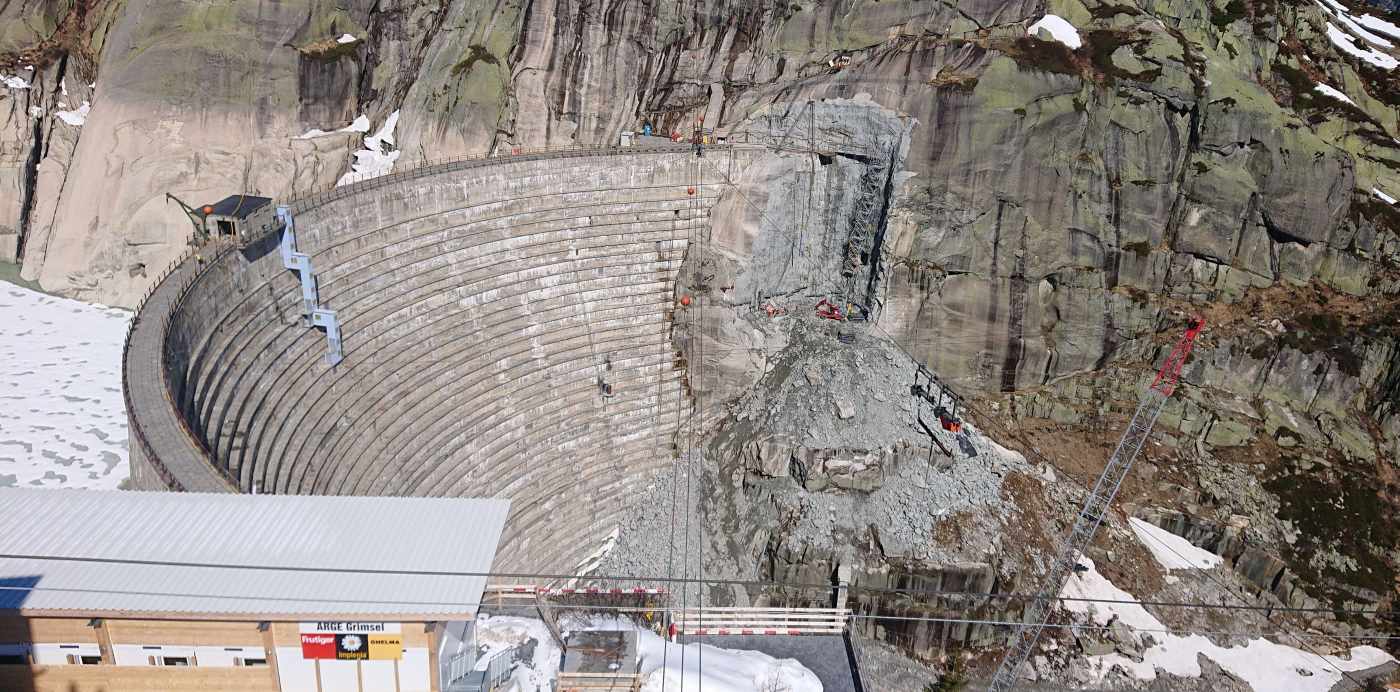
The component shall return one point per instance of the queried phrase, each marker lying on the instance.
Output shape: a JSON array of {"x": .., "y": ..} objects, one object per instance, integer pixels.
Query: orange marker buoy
[
  {"x": 690, "y": 191},
  {"x": 208, "y": 209},
  {"x": 685, "y": 300}
]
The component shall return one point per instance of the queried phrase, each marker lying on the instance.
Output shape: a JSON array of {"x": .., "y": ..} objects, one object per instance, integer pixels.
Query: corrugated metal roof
[
  {"x": 320, "y": 546},
  {"x": 238, "y": 206}
]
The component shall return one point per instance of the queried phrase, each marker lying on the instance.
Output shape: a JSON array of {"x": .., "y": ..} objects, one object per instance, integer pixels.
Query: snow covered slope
[
  {"x": 62, "y": 418},
  {"x": 1265, "y": 665}
]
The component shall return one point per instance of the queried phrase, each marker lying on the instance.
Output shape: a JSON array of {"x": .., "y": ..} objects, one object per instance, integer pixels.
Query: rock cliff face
[{"x": 1029, "y": 219}]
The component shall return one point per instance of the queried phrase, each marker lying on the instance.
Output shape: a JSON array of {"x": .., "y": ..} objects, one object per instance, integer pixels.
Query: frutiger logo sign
[
  {"x": 318, "y": 646},
  {"x": 351, "y": 647}
]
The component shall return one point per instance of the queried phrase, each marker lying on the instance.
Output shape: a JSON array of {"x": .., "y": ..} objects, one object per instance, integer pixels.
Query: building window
[
  {"x": 252, "y": 662},
  {"x": 81, "y": 660},
  {"x": 174, "y": 661}
]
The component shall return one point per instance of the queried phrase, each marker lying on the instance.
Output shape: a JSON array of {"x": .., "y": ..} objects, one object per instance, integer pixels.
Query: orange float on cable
[
  {"x": 208, "y": 210},
  {"x": 690, "y": 191},
  {"x": 685, "y": 301}
]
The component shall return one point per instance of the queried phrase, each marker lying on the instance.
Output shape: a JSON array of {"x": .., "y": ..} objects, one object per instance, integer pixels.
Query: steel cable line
[
  {"x": 486, "y": 602},
  {"x": 738, "y": 582}
]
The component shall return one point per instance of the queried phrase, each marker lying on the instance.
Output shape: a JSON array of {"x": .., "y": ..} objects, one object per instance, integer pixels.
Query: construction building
[{"x": 124, "y": 591}]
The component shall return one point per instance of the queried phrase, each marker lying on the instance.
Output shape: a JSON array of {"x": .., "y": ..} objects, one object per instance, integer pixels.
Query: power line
[
  {"x": 1162, "y": 630},
  {"x": 691, "y": 580},
  {"x": 486, "y": 602}
]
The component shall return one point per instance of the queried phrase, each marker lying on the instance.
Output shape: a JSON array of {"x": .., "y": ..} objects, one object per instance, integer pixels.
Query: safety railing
[
  {"x": 326, "y": 193},
  {"x": 758, "y": 620},
  {"x": 137, "y": 428}
]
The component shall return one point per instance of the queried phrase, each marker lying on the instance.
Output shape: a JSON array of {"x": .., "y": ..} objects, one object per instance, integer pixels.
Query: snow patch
[
  {"x": 347, "y": 38},
  {"x": 62, "y": 416},
  {"x": 36, "y": 112},
  {"x": 1347, "y": 44},
  {"x": 1010, "y": 455},
  {"x": 63, "y": 86},
  {"x": 76, "y": 118},
  {"x": 1333, "y": 92},
  {"x": 594, "y": 559},
  {"x": 359, "y": 124},
  {"x": 1264, "y": 665},
  {"x": 1059, "y": 29},
  {"x": 13, "y": 82},
  {"x": 725, "y": 670},
  {"x": 1172, "y": 551},
  {"x": 378, "y": 157},
  {"x": 500, "y": 633},
  {"x": 1384, "y": 197},
  {"x": 1340, "y": 14},
  {"x": 1378, "y": 24}
]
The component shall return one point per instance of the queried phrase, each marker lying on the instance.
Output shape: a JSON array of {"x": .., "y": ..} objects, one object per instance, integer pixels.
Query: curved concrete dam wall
[{"x": 479, "y": 303}]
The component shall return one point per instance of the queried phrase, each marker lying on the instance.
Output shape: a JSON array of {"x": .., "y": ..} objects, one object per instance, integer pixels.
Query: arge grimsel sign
[{"x": 351, "y": 641}]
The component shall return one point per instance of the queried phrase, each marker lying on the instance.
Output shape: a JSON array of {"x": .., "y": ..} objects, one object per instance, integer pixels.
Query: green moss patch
[
  {"x": 1111, "y": 11},
  {"x": 1369, "y": 209},
  {"x": 1093, "y": 60},
  {"x": 329, "y": 50},
  {"x": 1103, "y": 43},
  {"x": 1034, "y": 54},
  {"x": 475, "y": 53},
  {"x": 1233, "y": 11},
  {"x": 1339, "y": 509}
]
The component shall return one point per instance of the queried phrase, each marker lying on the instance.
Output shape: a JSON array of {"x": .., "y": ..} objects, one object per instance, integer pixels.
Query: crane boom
[{"x": 1095, "y": 508}]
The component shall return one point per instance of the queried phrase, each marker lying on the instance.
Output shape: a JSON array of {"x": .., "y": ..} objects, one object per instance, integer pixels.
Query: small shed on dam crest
[{"x": 118, "y": 591}]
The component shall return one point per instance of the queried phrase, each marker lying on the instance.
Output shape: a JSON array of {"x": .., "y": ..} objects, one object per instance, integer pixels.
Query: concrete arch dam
[{"x": 480, "y": 302}]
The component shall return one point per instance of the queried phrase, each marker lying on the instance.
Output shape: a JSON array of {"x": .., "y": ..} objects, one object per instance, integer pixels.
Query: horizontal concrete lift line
[{"x": 311, "y": 310}]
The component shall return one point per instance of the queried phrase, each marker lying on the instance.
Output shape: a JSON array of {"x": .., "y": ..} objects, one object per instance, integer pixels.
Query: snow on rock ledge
[
  {"x": 1347, "y": 44},
  {"x": 76, "y": 118},
  {"x": 1172, "y": 551},
  {"x": 1058, "y": 28},
  {"x": 376, "y": 158}
]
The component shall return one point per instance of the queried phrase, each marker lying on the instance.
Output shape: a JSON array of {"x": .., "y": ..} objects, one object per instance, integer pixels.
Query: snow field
[
  {"x": 1266, "y": 666},
  {"x": 62, "y": 415}
]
